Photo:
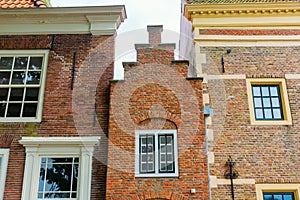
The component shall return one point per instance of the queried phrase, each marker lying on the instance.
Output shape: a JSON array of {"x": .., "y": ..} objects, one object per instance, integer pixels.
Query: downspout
[{"x": 207, "y": 112}]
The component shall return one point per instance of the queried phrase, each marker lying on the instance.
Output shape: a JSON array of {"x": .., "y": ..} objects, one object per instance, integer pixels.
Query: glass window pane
[
  {"x": 267, "y": 102},
  {"x": 3, "y": 94},
  {"x": 170, "y": 157},
  {"x": 275, "y": 102},
  {"x": 6, "y": 62},
  {"x": 170, "y": 167},
  {"x": 274, "y": 90},
  {"x": 58, "y": 176},
  {"x": 278, "y": 197},
  {"x": 256, "y": 91},
  {"x": 144, "y": 158},
  {"x": 268, "y": 197},
  {"x": 4, "y": 78},
  {"x": 268, "y": 113},
  {"x": 169, "y": 139},
  {"x": 36, "y": 63},
  {"x": 14, "y": 110},
  {"x": 16, "y": 94},
  {"x": 0, "y": 163},
  {"x": 287, "y": 197},
  {"x": 32, "y": 94},
  {"x": 169, "y": 149},
  {"x": 163, "y": 158},
  {"x": 18, "y": 77},
  {"x": 2, "y": 109},
  {"x": 265, "y": 91},
  {"x": 21, "y": 62},
  {"x": 29, "y": 109},
  {"x": 277, "y": 113},
  {"x": 259, "y": 114},
  {"x": 257, "y": 102},
  {"x": 33, "y": 78}
]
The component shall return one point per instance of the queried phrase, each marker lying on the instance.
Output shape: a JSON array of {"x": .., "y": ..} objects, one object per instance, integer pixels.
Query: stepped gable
[{"x": 22, "y": 4}]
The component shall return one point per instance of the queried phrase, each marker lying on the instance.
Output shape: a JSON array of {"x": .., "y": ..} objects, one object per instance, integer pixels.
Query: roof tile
[{"x": 22, "y": 3}]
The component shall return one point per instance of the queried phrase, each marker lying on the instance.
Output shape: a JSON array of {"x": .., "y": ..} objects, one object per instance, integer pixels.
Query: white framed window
[
  {"x": 3, "y": 168},
  {"x": 268, "y": 101},
  {"x": 58, "y": 167},
  {"x": 156, "y": 153},
  {"x": 22, "y": 83}
]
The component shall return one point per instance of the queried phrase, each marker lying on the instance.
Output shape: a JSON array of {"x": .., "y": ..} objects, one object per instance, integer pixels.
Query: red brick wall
[
  {"x": 66, "y": 112},
  {"x": 156, "y": 95}
]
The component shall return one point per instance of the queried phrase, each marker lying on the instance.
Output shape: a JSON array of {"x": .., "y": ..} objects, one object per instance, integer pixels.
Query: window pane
[
  {"x": 4, "y": 78},
  {"x": 257, "y": 102},
  {"x": 21, "y": 62},
  {"x": 33, "y": 78},
  {"x": 16, "y": 94},
  {"x": 3, "y": 94},
  {"x": 32, "y": 94},
  {"x": 278, "y": 197},
  {"x": 58, "y": 178},
  {"x": 259, "y": 114},
  {"x": 277, "y": 114},
  {"x": 14, "y": 110},
  {"x": 29, "y": 109},
  {"x": 6, "y": 62},
  {"x": 287, "y": 197},
  {"x": 36, "y": 63},
  {"x": 256, "y": 91},
  {"x": 268, "y": 197},
  {"x": 2, "y": 109},
  {"x": 274, "y": 90},
  {"x": 265, "y": 91},
  {"x": 267, "y": 102},
  {"x": 275, "y": 102},
  {"x": 268, "y": 113},
  {"x": 18, "y": 77},
  {"x": 0, "y": 163}
]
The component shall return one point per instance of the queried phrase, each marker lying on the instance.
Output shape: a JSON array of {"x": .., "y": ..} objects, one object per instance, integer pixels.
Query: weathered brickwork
[
  {"x": 155, "y": 94},
  {"x": 267, "y": 154},
  {"x": 82, "y": 111}
]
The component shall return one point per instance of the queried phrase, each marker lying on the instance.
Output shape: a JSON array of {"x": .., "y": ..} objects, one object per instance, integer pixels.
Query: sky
[{"x": 140, "y": 13}]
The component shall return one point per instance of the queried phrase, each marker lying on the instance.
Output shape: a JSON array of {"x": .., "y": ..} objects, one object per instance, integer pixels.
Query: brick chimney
[
  {"x": 155, "y": 34},
  {"x": 155, "y": 51}
]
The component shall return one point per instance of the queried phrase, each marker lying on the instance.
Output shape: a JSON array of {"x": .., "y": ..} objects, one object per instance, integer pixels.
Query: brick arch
[{"x": 157, "y": 123}]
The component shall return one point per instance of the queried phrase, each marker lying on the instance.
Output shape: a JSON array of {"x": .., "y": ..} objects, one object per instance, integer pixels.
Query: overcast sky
[{"x": 140, "y": 13}]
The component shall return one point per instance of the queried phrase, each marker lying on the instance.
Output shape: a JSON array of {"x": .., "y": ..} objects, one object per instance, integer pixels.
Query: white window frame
[
  {"x": 4, "y": 154},
  {"x": 45, "y": 54},
  {"x": 38, "y": 147},
  {"x": 156, "y": 133}
]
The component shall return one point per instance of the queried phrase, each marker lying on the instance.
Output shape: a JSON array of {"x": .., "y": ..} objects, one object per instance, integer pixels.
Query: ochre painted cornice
[
  {"x": 102, "y": 20},
  {"x": 228, "y": 10}
]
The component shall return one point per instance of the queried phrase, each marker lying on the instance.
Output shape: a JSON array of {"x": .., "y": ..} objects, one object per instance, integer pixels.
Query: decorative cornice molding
[
  {"x": 228, "y": 10},
  {"x": 102, "y": 20}
]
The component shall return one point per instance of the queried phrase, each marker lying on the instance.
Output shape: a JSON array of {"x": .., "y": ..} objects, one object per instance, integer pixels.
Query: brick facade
[
  {"x": 156, "y": 94},
  {"x": 82, "y": 111}
]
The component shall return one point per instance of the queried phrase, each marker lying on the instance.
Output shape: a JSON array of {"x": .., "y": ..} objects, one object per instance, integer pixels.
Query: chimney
[{"x": 154, "y": 34}]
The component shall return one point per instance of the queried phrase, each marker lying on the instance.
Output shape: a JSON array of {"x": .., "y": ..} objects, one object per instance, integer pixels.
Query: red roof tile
[{"x": 21, "y": 3}]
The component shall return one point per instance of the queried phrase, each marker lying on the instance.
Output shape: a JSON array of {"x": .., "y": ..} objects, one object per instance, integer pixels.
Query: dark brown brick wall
[
  {"x": 66, "y": 112},
  {"x": 156, "y": 95}
]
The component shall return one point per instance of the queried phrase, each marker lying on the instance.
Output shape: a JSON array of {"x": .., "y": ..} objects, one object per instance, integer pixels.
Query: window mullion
[{"x": 156, "y": 153}]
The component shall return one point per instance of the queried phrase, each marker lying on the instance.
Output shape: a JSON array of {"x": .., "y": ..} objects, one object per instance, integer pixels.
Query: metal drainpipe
[{"x": 206, "y": 146}]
